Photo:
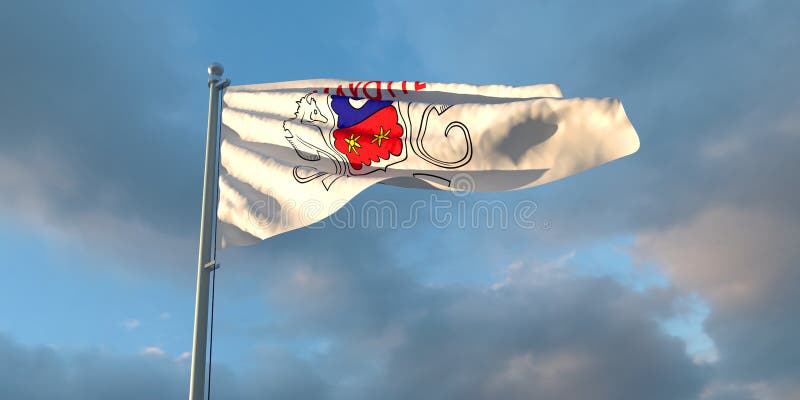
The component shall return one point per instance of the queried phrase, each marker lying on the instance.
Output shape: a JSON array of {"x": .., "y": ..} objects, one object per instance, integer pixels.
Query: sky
[{"x": 669, "y": 274}]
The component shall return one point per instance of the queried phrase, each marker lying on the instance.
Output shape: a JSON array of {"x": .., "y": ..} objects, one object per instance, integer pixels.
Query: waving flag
[{"x": 293, "y": 153}]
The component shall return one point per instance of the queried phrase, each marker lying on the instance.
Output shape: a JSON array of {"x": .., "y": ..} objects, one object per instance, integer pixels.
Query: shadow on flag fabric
[{"x": 293, "y": 153}]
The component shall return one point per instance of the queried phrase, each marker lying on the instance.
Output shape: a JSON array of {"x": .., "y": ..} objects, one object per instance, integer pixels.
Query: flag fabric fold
[{"x": 293, "y": 153}]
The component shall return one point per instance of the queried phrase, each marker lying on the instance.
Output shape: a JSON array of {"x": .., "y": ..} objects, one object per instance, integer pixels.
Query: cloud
[
  {"x": 752, "y": 391},
  {"x": 153, "y": 351},
  {"x": 131, "y": 323},
  {"x": 45, "y": 373},
  {"x": 736, "y": 257},
  {"x": 379, "y": 332},
  {"x": 88, "y": 149},
  {"x": 537, "y": 342},
  {"x": 744, "y": 261}
]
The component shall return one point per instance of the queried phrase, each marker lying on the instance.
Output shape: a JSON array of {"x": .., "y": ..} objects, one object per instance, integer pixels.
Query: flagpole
[{"x": 205, "y": 263}]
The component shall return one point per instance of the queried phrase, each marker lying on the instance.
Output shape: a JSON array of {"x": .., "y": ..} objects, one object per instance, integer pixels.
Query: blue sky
[{"x": 668, "y": 274}]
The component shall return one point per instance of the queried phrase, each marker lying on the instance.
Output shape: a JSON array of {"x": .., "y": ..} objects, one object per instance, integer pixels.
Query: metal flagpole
[{"x": 205, "y": 263}]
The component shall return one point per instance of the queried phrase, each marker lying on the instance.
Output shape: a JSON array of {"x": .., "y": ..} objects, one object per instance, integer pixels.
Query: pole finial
[{"x": 215, "y": 71}]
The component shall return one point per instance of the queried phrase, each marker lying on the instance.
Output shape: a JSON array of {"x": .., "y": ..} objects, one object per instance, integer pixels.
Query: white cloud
[
  {"x": 131, "y": 323},
  {"x": 726, "y": 147},
  {"x": 164, "y": 315},
  {"x": 542, "y": 274},
  {"x": 153, "y": 351}
]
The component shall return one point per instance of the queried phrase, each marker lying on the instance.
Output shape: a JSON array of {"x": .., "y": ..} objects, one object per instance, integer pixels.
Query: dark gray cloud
[
  {"x": 538, "y": 332},
  {"x": 48, "y": 373},
  {"x": 571, "y": 340},
  {"x": 52, "y": 373},
  {"x": 97, "y": 139}
]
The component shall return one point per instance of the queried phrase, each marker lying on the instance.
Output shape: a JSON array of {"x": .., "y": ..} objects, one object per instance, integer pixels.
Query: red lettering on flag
[
  {"x": 389, "y": 86},
  {"x": 362, "y": 89},
  {"x": 378, "y": 95},
  {"x": 354, "y": 92}
]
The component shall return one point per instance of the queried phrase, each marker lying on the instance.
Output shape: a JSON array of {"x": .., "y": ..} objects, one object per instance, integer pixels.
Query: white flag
[{"x": 292, "y": 153}]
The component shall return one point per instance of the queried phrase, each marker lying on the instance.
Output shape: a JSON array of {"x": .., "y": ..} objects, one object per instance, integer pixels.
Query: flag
[{"x": 293, "y": 153}]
